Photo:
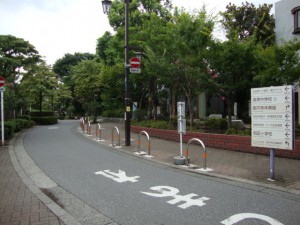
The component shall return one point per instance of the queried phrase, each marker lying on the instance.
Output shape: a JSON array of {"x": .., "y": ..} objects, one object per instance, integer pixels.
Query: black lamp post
[{"x": 106, "y": 5}]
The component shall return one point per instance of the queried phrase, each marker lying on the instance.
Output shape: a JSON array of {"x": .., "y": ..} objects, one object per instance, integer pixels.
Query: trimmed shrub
[
  {"x": 49, "y": 120},
  {"x": 25, "y": 117},
  {"x": 41, "y": 114},
  {"x": 13, "y": 126}
]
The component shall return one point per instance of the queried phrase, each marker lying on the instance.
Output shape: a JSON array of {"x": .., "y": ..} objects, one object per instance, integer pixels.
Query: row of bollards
[{"x": 85, "y": 126}]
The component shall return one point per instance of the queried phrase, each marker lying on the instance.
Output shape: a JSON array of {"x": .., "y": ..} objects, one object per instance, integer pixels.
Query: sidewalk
[
  {"x": 224, "y": 163},
  {"x": 18, "y": 204}
]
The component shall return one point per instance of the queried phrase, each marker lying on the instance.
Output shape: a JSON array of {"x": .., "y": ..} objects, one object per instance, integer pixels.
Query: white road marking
[
  {"x": 239, "y": 217},
  {"x": 119, "y": 177},
  {"x": 166, "y": 191}
]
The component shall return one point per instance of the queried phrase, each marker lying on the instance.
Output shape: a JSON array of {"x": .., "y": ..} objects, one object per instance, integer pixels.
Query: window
[{"x": 296, "y": 13}]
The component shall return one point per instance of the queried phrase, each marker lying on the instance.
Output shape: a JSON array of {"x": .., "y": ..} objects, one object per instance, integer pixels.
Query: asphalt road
[{"x": 134, "y": 191}]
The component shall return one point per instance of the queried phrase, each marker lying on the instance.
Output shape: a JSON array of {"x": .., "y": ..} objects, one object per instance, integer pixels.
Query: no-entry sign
[
  {"x": 135, "y": 62},
  {"x": 2, "y": 81}
]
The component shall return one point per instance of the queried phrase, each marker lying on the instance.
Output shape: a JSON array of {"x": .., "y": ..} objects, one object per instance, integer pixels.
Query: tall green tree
[
  {"x": 16, "y": 57},
  {"x": 87, "y": 82},
  {"x": 247, "y": 21},
  {"x": 40, "y": 85},
  {"x": 233, "y": 65}
]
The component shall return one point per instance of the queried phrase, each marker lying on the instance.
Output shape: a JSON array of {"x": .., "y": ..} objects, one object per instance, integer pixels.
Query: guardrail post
[
  {"x": 112, "y": 137},
  {"x": 139, "y": 141},
  {"x": 187, "y": 151}
]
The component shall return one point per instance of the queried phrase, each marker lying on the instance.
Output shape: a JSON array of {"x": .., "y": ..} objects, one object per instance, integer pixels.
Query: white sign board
[
  {"x": 272, "y": 117},
  {"x": 135, "y": 70},
  {"x": 181, "y": 109}
]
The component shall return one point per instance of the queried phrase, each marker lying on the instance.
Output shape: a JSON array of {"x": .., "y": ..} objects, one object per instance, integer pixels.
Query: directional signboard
[{"x": 272, "y": 113}]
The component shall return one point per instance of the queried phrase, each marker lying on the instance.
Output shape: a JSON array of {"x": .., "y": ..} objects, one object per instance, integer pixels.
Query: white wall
[{"x": 284, "y": 20}]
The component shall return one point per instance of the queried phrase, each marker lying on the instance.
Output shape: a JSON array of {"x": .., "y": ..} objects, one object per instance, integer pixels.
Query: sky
[{"x": 57, "y": 27}]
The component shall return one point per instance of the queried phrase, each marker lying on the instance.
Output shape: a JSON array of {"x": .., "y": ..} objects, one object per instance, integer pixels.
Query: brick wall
[{"x": 221, "y": 141}]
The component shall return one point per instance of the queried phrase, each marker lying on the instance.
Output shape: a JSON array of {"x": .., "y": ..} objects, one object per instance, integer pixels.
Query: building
[{"x": 287, "y": 20}]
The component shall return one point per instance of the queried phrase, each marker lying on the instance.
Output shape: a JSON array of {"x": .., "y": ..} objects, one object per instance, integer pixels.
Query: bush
[
  {"x": 25, "y": 117},
  {"x": 41, "y": 114},
  {"x": 216, "y": 124},
  {"x": 13, "y": 126},
  {"x": 118, "y": 113},
  {"x": 139, "y": 114},
  {"x": 234, "y": 131},
  {"x": 49, "y": 120}
]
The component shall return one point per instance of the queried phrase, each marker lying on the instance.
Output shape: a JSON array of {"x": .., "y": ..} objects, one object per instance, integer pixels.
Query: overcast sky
[{"x": 56, "y": 27}]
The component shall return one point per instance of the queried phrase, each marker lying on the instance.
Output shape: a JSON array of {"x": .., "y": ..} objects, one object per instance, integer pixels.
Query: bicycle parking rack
[
  {"x": 88, "y": 128},
  {"x": 82, "y": 124},
  {"x": 139, "y": 144},
  {"x": 204, "y": 153},
  {"x": 99, "y": 132},
  {"x": 112, "y": 137}
]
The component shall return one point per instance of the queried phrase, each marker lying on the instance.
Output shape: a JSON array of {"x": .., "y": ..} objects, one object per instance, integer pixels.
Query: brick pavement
[{"x": 18, "y": 205}]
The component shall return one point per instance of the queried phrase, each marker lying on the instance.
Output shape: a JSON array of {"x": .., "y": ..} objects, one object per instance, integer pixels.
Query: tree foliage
[
  {"x": 16, "y": 56},
  {"x": 247, "y": 21}
]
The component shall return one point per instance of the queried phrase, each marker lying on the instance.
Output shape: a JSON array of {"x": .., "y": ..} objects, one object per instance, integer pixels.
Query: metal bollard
[
  {"x": 112, "y": 137},
  {"x": 187, "y": 151},
  {"x": 139, "y": 141}
]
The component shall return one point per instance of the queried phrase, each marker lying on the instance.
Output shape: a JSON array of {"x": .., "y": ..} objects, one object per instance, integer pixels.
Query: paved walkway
[{"x": 20, "y": 205}]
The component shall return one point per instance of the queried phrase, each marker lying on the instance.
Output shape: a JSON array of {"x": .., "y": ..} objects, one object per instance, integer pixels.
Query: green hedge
[
  {"x": 41, "y": 114},
  {"x": 46, "y": 120},
  {"x": 16, "y": 125}
]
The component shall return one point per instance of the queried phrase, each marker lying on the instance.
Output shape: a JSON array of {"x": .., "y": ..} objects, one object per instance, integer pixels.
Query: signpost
[
  {"x": 2, "y": 82},
  {"x": 272, "y": 113}
]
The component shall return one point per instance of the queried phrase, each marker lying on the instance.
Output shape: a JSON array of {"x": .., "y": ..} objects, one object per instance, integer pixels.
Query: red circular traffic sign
[
  {"x": 135, "y": 62},
  {"x": 2, "y": 81}
]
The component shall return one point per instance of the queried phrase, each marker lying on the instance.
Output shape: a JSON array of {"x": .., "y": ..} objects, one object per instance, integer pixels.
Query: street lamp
[{"x": 106, "y": 5}]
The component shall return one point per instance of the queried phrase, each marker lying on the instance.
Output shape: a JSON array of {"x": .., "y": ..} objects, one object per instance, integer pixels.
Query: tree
[
  {"x": 87, "y": 82},
  {"x": 62, "y": 67},
  {"x": 40, "y": 84},
  {"x": 192, "y": 36},
  {"x": 233, "y": 66},
  {"x": 278, "y": 65},
  {"x": 16, "y": 56},
  {"x": 247, "y": 20}
]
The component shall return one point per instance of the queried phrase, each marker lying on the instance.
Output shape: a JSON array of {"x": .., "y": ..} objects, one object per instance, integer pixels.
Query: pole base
[{"x": 178, "y": 160}]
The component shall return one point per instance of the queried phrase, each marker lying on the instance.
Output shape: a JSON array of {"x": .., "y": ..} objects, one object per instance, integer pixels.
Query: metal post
[
  {"x": 127, "y": 97},
  {"x": 272, "y": 163},
  {"x": 2, "y": 119}
]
